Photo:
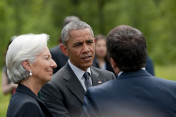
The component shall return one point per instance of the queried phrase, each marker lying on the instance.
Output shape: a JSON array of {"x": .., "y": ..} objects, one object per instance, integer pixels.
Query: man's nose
[{"x": 85, "y": 48}]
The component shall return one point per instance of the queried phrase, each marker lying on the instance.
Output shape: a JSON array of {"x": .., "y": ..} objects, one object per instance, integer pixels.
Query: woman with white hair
[{"x": 30, "y": 65}]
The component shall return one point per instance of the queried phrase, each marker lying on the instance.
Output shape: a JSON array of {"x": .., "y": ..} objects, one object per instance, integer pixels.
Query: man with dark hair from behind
[{"x": 135, "y": 92}]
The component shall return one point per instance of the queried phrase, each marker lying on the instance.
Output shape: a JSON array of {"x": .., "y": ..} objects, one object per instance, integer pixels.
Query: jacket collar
[
  {"x": 140, "y": 72},
  {"x": 26, "y": 90},
  {"x": 23, "y": 89},
  {"x": 74, "y": 85},
  {"x": 77, "y": 71}
]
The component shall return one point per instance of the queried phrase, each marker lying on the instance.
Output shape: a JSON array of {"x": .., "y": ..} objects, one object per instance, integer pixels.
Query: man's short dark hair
[{"x": 127, "y": 46}]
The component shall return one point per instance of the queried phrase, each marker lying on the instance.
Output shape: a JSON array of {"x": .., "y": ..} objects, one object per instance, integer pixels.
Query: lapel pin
[{"x": 99, "y": 82}]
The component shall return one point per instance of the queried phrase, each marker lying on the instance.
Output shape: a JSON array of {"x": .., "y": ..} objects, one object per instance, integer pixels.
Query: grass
[{"x": 167, "y": 72}]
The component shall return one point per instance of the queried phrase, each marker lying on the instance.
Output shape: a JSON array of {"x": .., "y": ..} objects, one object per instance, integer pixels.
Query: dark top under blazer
[
  {"x": 24, "y": 103},
  {"x": 139, "y": 89},
  {"x": 64, "y": 94},
  {"x": 58, "y": 57}
]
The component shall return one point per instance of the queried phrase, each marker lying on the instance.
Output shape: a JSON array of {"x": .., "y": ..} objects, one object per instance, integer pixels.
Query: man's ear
[
  {"x": 95, "y": 40},
  {"x": 26, "y": 65},
  {"x": 114, "y": 66},
  {"x": 64, "y": 49},
  {"x": 113, "y": 63}
]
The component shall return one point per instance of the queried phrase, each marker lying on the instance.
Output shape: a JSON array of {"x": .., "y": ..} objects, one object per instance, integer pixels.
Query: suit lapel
[
  {"x": 95, "y": 77},
  {"x": 73, "y": 84}
]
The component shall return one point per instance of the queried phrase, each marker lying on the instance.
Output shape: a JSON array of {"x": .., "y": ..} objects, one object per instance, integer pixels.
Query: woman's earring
[{"x": 30, "y": 73}]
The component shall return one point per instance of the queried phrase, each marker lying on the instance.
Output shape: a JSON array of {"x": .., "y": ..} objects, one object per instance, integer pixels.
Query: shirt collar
[
  {"x": 122, "y": 71},
  {"x": 78, "y": 72}
]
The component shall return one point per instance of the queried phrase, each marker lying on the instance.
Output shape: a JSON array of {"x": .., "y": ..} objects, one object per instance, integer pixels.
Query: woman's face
[
  {"x": 42, "y": 67},
  {"x": 100, "y": 48}
]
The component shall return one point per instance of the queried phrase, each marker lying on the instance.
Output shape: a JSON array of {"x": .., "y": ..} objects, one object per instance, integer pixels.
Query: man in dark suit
[
  {"x": 56, "y": 52},
  {"x": 63, "y": 95},
  {"x": 135, "y": 93}
]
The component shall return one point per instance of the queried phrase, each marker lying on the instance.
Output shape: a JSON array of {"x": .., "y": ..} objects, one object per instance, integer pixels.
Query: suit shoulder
[
  {"x": 58, "y": 77},
  {"x": 162, "y": 81},
  {"x": 104, "y": 73},
  {"x": 24, "y": 107},
  {"x": 101, "y": 70},
  {"x": 60, "y": 72},
  {"x": 23, "y": 98},
  {"x": 30, "y": 102},
  {"x": 103, "y": 88}
]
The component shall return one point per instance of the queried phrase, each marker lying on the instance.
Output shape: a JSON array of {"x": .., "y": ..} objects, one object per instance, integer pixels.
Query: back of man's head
[{"x": 127, "y": 46}]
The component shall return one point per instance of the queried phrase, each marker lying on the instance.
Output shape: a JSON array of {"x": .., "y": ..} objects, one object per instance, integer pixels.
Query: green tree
[{"x": 155, "y": 18}]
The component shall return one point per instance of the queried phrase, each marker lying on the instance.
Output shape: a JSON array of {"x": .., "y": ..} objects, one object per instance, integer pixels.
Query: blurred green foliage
[
  {"x": 155, "y": 18},
  {"x": 166, "y": 71}
]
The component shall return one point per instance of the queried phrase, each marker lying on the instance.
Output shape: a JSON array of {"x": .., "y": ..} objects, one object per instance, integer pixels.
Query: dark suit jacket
[
  {"x": 149, "y": 66},
  {"x": 58, "y": 57},
  {"x": 64, "y": 94},
  {"x": 138, "y": 91},
  {"x": 24, "y": 103}
]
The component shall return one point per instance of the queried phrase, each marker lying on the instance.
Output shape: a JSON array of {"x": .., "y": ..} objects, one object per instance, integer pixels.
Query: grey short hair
[
  {"x": 23, "y": 47},
  {"x": 75, "y": 25}
]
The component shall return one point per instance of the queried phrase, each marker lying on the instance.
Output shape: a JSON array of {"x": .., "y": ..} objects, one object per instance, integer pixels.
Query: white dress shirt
[{"x": 79, "y": 74}]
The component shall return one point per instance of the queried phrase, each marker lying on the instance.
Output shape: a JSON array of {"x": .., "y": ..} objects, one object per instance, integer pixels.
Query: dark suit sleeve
[
  {"x": 29, "y": 109},
  {"x": 53, "y": 99},
  {"x": 89, "y": 107}
]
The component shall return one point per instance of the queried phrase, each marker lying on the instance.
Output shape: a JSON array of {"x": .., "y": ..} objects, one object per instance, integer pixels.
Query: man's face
[{"x": 81, "y": 48}]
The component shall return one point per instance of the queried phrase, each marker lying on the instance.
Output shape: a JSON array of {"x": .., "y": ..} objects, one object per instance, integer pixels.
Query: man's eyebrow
[
  {"x": 90, "y": 40},
  {"x": 77, "y": 43}
]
